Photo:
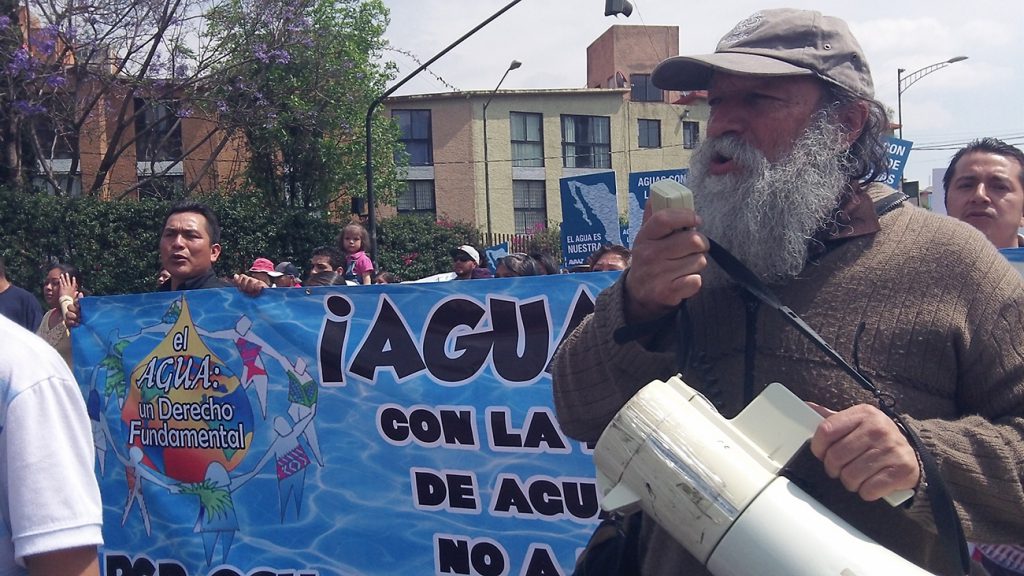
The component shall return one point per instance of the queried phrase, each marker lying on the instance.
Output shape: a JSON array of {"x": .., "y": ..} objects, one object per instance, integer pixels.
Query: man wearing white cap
[
  {"x": 787, "y": 180},
  {"x": 466, "y": 263}
]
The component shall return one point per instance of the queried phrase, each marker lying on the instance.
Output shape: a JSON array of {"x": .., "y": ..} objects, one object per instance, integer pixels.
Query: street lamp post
[
  {"x": 903, "y": 82},
  {"x": 487, "y": 171},
  {"x": 612, "y": 8},
  {"x": 371, "y": 201}
]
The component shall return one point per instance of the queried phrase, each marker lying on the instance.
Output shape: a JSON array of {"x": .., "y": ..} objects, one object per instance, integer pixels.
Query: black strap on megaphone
[{"x": 947, "y": 522}]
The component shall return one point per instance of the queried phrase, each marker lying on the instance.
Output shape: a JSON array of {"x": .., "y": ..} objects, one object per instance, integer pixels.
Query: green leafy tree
[
  {"x": 115, "y": 244},
  {"x": 544, "y": 240},
  {"x": 301, "y": 106}
]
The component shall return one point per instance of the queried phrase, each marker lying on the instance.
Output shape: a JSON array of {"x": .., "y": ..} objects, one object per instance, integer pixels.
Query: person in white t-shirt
[{"x": 50, "y": 511}]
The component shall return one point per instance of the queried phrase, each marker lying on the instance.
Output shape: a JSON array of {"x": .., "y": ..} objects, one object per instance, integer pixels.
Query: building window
[
  {"x": 529, "y": 206},
  {"x": 650, "y": 133},
  {"x": 643, "y": 89},
  {"x": 58, "y": 146},
  {"x": 418, "y": 197},
  {"x": 586, "y": 142},
  {"x": 70, "y": 185},
  {"x": 691, "y": 134},
  {"x": 167, "y": 187},
  {"x": 56, "y": 141},
  {"x": 157, "y": 131},
  {"x": 527, "y": 139},
  {"x": 415, "y": 135}
]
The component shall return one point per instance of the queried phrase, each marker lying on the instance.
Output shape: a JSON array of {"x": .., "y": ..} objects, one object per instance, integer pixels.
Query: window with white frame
[
  {"x": 69, "y": 184},
  {"x": 586, "y": 142},
  {"x": 157, "y": 131},
  {"x": 58, "y": 146},
  {"x": 165, "y": 187},
  {"x": 527, "y": 139},
  {"x": 56, "y": 140},
  {"x": 529, "y": 205}
]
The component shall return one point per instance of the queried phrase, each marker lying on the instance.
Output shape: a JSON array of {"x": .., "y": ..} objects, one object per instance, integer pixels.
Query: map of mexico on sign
[
  {"x": 590, "y": 215},
  {"x": 639, "y": 188}
]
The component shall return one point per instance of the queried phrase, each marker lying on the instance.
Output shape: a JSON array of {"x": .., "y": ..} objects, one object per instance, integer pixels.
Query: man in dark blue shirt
[{"x": 17, "y": 303}]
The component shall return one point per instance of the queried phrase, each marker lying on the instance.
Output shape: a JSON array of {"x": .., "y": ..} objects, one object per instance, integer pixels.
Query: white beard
[{"x": 766, "y": 213}]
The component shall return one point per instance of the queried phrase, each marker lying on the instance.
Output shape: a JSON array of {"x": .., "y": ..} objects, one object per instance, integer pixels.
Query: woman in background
[
  {"x": 59, "y": 290},
  {"x": 519, "y": 264}
]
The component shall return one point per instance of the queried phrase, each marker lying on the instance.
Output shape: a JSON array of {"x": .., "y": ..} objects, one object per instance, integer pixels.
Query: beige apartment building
[{"x": 508, "y": 181}]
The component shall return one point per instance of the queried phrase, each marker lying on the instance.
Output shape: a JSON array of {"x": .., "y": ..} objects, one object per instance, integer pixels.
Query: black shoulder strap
[
  {"x": 888, "y": 203},
  {"x": 947, "y": 522}
]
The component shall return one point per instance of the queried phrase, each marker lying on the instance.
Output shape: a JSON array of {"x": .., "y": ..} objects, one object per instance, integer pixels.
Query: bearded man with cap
[{"x": 787, "y": 180}]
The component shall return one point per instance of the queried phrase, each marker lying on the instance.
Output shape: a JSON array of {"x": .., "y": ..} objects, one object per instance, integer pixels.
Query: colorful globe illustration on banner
[{"x": 185, "y": 408}]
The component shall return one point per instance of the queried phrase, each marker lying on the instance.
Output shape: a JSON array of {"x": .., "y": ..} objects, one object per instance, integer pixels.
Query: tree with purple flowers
[
  {"x": 74, "y": 73},
  {"x": 273, "y": 94},
  {"x": 302, "y": 76}
]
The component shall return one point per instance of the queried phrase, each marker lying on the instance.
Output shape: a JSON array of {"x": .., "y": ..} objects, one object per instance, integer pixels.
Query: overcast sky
[{"x": 982, "y": 96}]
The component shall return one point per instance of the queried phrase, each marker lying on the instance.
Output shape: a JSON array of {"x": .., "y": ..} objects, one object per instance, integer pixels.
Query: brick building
[{"x": 158, "y": 147}]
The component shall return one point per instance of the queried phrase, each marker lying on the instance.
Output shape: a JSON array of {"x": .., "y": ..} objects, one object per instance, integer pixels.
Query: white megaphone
[{"x": 714, "y": 485}]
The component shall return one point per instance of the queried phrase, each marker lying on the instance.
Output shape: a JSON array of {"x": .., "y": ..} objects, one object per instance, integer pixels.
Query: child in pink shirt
[{"x": 354, "y": 240}]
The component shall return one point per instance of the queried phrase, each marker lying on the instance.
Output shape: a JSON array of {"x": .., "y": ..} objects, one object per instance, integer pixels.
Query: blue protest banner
[
  {"x": 639, "y": 188},
  {"x": 390, "y": 429},
  {"x": 590, "y": 215},
  {"x": 898, "y": 151},
  {"x": 1016, "y": 257}
]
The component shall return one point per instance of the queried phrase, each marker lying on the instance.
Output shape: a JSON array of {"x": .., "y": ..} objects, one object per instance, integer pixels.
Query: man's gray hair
[{"x": 868, "y": 156}]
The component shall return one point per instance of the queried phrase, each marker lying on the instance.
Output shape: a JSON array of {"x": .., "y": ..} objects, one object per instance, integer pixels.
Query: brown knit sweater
[{"x": 944, "y": 316}]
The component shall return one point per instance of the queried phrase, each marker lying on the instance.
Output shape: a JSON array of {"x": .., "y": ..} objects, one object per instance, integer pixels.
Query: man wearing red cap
[
  {"x": 263, "y": 270},
  {"x": 787, "y": 180}
]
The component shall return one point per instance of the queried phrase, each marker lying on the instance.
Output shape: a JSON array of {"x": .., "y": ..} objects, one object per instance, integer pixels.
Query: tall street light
[
  {"x": 905, "y": 82},
  {"x": 487, "y": 171}
]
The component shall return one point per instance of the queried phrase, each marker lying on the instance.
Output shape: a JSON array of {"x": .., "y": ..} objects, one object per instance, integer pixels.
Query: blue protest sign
[
  {"x": 494, "y": 253},
  {"x": 590, "y": 215},
  {"x": 899, "y": 152}
]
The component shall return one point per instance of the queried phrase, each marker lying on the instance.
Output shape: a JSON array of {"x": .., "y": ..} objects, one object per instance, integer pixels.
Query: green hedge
[
  {"x": 114, "y": 244},
  {"x": 416, "y": 246}
]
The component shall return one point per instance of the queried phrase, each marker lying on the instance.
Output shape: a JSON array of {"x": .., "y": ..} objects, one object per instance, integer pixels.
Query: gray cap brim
[{"x": 694, "y": 72}]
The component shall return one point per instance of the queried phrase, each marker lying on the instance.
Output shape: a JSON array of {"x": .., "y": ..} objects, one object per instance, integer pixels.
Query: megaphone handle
[
  {"x": 801, "y": 422},
  {"x": 898, "y": 497}
]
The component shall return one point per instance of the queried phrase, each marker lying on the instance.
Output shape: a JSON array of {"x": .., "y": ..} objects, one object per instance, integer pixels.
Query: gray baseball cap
[{"x": 779, "y": 42}]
